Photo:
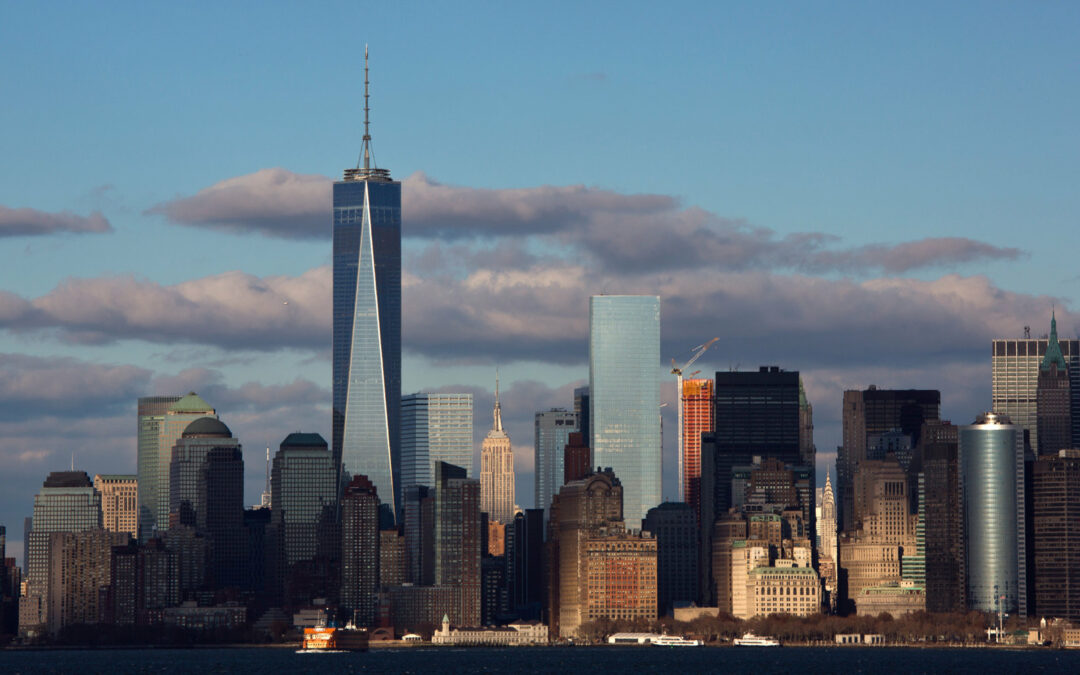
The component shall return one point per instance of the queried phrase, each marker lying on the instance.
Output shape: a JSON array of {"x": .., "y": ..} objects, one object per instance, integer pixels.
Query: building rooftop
[
  {"x": 300, "y": 439},
  {"x": 68, "y": 479},
  {"x": 207, "y": 426},
  {"x": 191, "y": 403}
]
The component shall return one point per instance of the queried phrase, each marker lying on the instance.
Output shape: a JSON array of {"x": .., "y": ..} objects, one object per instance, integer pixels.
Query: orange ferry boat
[{"x": 322, "y": 639}]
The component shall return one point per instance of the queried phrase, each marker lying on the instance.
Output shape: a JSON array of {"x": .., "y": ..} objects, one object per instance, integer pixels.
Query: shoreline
[{"x": 384, "y": 646}]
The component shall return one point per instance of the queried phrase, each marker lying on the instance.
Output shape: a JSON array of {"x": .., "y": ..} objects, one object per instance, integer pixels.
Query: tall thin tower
[
  {"x": 497, "y": 469},
  {"x": 367, "y": 324}
]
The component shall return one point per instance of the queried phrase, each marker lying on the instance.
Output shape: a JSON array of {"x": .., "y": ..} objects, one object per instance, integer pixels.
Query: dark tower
[{"x": 1053, "y": 419}]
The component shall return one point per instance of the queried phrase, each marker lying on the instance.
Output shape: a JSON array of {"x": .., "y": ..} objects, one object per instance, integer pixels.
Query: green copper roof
[
  {"x": 802, "y": 395},
  {"x": 191, "y": 403},
  {"x": 1053, "y": 349}
]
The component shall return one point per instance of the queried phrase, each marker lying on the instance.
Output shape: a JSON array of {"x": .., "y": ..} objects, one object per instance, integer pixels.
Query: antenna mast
[{"x": 367, "y": 135}]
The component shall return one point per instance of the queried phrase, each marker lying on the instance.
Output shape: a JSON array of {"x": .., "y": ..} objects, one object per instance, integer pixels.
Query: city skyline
[{"x": 217, "y": 280}]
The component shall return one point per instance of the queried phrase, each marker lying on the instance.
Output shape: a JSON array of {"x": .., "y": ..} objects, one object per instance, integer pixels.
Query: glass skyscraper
[
  {"x": 992, "y": 491},
  {"x": 435, "y": 428},
  {"x": 367, "y": 326},
  {"x": 551, "y": 433},
  {"x": 624, "y": 395}
]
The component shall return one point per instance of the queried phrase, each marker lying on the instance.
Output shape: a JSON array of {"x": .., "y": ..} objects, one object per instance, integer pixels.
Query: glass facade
[
  {"x": 552, "y": 429},
  {"x": 624, "y": 395},
  {"x": 991, "y": 458},
  {"x": 151, "y": 413},
  {"x": 435, "y": 428},
  {"x": 304, "y": 493},
  {"x": 367, "y": 331},
  {"x": 1015, "y": 379}
]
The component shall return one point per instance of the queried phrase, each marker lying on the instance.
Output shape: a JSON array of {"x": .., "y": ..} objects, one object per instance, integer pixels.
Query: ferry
[
  {"x": 751, "y": 640},
  {"x": 329, "y": 639},
  {"x": 675, "y": 641}
]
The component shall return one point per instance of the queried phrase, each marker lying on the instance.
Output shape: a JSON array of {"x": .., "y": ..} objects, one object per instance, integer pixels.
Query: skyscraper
[
  {"x": 360, "y": 550},
  {"x": 1053, "y": 419},
  {"x": 867, "y": 415},
  {"x": 675, "y": 527},
  {"x": 67, "y": 502},
  {"x": 551, "y": 434},
  {"x": 367, "y": 324},
  {"x": 1056, "y": 536},
  {"x": 497, "y": 470},
  {"x": 1016, "y": 365},
  {"x": 991, "y": 458},
  {"x": 624, "y": 395},
  {"x": 435, "y": 428},
  {"x": 458, "y": 540},
  {"x": 944, "y": 522},
  {"x": 119, "y": 502},
  {"x": 162, "y": 420},
  {"x": 698, "y": 414}
]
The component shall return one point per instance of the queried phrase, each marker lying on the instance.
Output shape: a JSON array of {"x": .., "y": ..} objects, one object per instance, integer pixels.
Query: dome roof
[
  {"x": 303, "y": 440},
  {"x": 207, "y": 426}
]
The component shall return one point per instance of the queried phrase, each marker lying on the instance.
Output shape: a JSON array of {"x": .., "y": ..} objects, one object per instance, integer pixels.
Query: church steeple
[{"x": 1053, "y": 349}]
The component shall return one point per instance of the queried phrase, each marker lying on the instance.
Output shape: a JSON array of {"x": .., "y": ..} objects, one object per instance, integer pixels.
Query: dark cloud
[
  {"x": 620, "y": 232},
  {"x": 24, "y": 222},
  {"x": 32, "y": 386}
]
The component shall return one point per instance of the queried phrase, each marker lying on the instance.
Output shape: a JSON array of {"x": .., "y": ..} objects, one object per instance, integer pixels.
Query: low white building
[{"x": 522, "y": 633}]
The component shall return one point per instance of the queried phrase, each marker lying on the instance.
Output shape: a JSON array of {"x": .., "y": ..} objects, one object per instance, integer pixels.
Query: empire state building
[
  {"x": 367, "y": 324},
  {"x": 497, "y": 470}
]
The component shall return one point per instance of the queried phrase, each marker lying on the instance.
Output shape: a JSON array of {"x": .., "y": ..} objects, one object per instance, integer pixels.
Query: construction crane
[{"x": 678, "y": 373}]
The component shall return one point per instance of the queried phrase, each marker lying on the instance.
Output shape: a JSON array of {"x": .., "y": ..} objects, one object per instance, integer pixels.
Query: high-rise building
[
  {"x": 525, "y": 560},
  {"x": 119, "y": 502},
  {"x": 674, "y": 526},
  {"x": 391, "y": 558},
  {"x": 806, "y": 430},
  {"x": 367, "y": 324},
  {"x": 1053, "y": 420},
  {"x": 756, "y": 415},
  {"x": 1056, "y": 534},
  {"x": 624, "y": 395},
  {"x": 67, "y": 502},
  {"x": 497, "y": 469},
  {"x": 162, "y": 419},
  {"x": 991, "y": 459},
  {"x": 1016, "y": 364},
  {"x": 80, "y": 565},
  {"x": 304, "y": 491},
  {"x": 435, "y": 428},
  {"x": 420, "y": 534},
  {"x": 552, "y": 429},
  {"x": 577, "y": 458},
  {"x": 581, "y": 409},
  {"x": 458, "y": 540},
  {"x": 944, "y": 522},
  {"x": 697, "y": 411},
  {"x": 360, "y": 550},
  {"x": 866, "y": 416}
]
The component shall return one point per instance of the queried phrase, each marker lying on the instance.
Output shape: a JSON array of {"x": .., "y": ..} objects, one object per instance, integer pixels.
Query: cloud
[
  {"x": 32, "y": 386},
  {"x": 24, "y": 222},
  {"x": 641, "y": 232},
  {"x": 232, "y": 310},
  {"x": 273, "y": 202}
]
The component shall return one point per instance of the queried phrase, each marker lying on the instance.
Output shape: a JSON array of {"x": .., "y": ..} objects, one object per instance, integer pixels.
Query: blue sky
[{"x": 869, "y": 125}]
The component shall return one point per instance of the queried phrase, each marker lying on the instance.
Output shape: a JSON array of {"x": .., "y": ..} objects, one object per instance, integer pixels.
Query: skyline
[{"x": 789, "y": 189}]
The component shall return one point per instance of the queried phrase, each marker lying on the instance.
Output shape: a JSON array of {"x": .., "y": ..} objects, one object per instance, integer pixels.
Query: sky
[{"x": 867, "y": 193}]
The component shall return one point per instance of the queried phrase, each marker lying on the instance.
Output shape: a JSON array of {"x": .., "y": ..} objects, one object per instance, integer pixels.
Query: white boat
[
  {"x": 751, "y": 640},
  {"x": 675, "y": 641}
]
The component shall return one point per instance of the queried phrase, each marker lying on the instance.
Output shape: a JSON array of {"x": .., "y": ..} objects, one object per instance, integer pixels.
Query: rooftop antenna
[
  {"x": 73, "y": 461},
  {"x": 367, "y": 131}
]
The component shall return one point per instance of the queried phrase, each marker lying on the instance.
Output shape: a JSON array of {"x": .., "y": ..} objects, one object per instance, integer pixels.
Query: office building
[
  {"x": 525, "y": 560},
  {"x": 674, "y": 526},
  {"x": 161, "y": 422},
  {"x": 577, "y": 459},
  {"x": 119, "y": 502},
  {"x": 991, "y": 461},
  {"x": 304, "y": 491},
  {"x": 581, "y": 409},
  {"x": 360, "y": 553},
  {"x": 624, "y": 395},
  {"x": 1015, "y": 365},
  {"x": 67, "y": 502},
  {"x": 366, "y": 429},
  {"x": 1056, "y": 534},
  {"x": 866, "y": 416},
  {"x": 783, "y": 590},
  {"x": 944, "y": 521},
  {"x": 80, "y": 565},
  {"x": 458, "y": 538},
  {"x": 497, "y": 469},
  {"x": 551, "y": 435},
  {"x": 756, "y": 415},
  {"x": 698, "y": 412},
  {"x": 1053, "y": 420},
  {"x": 391, "y": 558},
  {"x": 620, "y": 574},
  {"x": 420, "y": 535},
  {"x": 435, "y": 428}
]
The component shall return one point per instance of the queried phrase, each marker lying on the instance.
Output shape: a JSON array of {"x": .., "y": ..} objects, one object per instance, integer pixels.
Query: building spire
[
  {"x": 497, "y": 426},
  {"x": 367, "y": 108},
  {"x": 1053, "y": 348}
]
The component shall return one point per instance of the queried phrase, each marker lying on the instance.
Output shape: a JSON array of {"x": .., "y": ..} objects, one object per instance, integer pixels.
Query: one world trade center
[{"x": 367, "y": 324}]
